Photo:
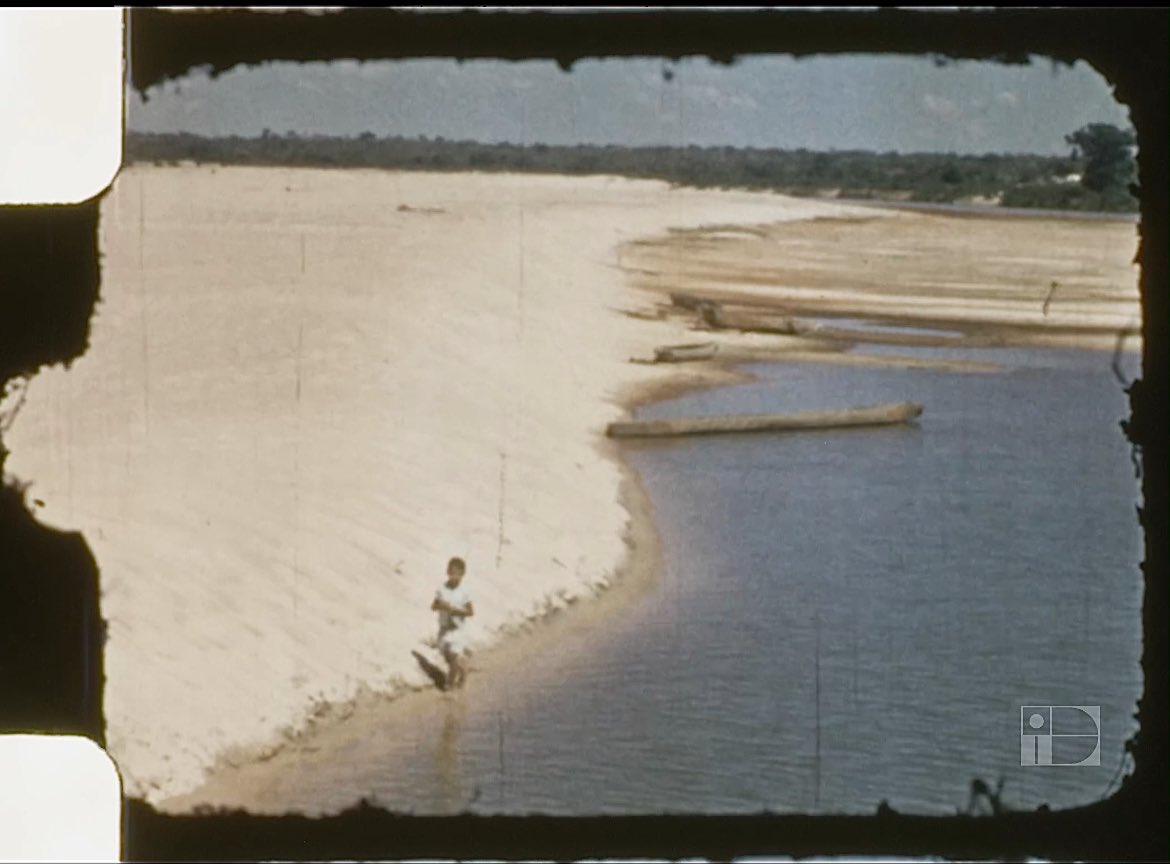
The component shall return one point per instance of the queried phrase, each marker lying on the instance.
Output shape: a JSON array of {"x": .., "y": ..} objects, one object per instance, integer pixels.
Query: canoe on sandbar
[
  {"x": 721, "y": 318},
  {"x": 873, "y": 415},
  {"x": 685, "y": 353}
]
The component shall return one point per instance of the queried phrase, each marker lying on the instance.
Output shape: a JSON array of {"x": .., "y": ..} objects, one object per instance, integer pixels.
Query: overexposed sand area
[{"x": 304, "y": 391}]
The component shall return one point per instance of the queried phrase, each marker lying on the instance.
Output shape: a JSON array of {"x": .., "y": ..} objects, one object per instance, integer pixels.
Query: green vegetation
[{"x": 1017, "y": 180}]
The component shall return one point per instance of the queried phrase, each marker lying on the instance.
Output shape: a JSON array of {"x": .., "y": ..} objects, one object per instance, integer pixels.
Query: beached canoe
[
  {"x": 749, "y": 320},
  {"x": 891, "y": 337},
  {"x": 685, "y": 353},
  {"x": 873, "y": 415},
  {"x": 684, "y": 300}
]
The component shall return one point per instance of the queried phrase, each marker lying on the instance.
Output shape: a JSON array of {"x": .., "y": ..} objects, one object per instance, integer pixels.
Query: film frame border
[{"x": 1127, "y": 46}]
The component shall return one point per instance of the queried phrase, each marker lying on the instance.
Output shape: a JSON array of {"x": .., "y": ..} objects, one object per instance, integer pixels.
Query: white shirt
[{"x": 456, "y": 598}]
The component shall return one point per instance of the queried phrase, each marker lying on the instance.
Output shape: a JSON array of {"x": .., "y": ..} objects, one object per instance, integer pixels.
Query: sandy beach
[{"x": 306, "y": 389}]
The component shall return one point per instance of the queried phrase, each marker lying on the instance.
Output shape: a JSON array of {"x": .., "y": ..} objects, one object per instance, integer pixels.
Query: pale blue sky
[{"x": 840, "y": 102}]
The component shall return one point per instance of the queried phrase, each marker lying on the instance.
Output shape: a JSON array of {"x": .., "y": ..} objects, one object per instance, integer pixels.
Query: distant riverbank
[{"x": 1016, "y": 180}]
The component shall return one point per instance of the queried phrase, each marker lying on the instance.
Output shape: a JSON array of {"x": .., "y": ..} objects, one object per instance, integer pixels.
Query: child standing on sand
[{"x": 454, "y": 607}]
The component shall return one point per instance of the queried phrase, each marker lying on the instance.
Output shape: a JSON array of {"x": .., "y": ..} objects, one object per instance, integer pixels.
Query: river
[{"x": 844, "y": 617}]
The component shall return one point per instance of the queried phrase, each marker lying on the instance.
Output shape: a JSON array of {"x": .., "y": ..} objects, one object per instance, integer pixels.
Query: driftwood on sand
[{"x": 873, "y": 415}]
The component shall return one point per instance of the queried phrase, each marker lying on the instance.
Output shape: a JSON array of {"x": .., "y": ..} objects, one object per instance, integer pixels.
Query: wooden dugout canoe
[
  {"x": 721, "y": 318},
  {"x": 683, "y": 353},
  {"x": 684, "y": 300},
  {"x": 873, "y": 415},
  {"x": 878, "y": 337}
]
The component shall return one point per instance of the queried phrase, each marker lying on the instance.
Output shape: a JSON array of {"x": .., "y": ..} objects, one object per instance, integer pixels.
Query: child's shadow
[{"x": 437, "y": 676}]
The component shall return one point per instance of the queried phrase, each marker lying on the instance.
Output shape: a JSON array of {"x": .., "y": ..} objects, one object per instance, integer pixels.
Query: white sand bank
[{"x": 299, "y": 400}]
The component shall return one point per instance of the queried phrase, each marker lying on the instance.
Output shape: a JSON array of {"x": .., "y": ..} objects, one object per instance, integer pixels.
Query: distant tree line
[{"x": 1094, "y": 176}]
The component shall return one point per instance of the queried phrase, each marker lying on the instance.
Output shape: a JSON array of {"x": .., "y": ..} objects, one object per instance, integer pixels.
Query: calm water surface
[{"x": 846, "y": 616}]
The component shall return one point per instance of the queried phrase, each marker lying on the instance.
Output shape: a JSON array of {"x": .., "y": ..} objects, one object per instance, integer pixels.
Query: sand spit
[
  {"x": 998, "y": 280},
  {"x": 305, "y": 389}
]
